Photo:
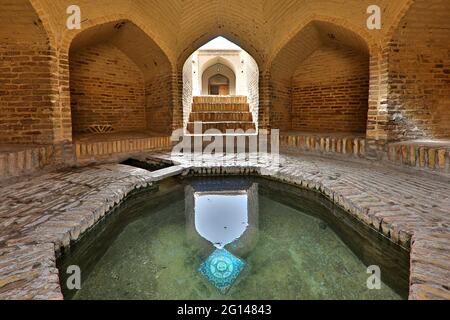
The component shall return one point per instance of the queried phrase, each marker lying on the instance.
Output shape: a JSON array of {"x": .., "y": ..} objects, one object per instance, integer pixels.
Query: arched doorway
[
  {"x": 223, "y": 74},
  {"x": 219, "y": 79},
  {"x": 219, "y": 85}
]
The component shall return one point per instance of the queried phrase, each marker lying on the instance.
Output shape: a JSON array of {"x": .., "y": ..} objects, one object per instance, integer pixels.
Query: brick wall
[
  {"x": 330, "y": 92},
  {"x": 280, "y": 109},
  {"x": 26, "y": 107},
  {"x": 252, "y": 84},
  {"x": 419, "y": 73},
  {"x": 188, "y": 86},
  {"x": 107, "y": 88},
  {"x": 158, "y": 93},
  {"x": 265, "y": 92}
]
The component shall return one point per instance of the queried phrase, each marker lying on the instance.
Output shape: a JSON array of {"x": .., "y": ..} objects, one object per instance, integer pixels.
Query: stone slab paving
[{"x": 43, "y": 214}]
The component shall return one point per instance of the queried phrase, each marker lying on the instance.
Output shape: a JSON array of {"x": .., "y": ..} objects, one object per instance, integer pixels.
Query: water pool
[{"x": 232, "y": 238}]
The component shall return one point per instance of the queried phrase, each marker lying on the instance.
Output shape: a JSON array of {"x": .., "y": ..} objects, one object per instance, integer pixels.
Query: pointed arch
[
  {"x": 207, "y": 37},
  {"x": 243, "y": 75},
  {"x": 131, "y": 67},
  {"x": 323, "y": 60},
  {"x": 418, "y": 90},
  {"x": 361, "y": 32}
]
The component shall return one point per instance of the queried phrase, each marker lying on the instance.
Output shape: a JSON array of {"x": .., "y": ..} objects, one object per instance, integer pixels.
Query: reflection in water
[
  {"x": 222, "y": 268},
  {"x": 222, "y": 218},
  {"x": 297, "y": 245}
]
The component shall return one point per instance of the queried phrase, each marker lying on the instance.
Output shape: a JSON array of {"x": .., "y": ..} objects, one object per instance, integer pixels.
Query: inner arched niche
[
  {"x": 320, "y": 82},
  {"x": 120, "y": 83},
  {"x": 218, "y": 79},
  {"x": 219, "y": 85}
]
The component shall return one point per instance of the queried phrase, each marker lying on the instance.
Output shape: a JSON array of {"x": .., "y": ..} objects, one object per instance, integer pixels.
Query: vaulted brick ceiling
[
  {"x": 308, "y": 40},
  {"x": 19, "y": 22},
  {"x": 131, "y": 40},
  {"x": 260, "y": 27}
]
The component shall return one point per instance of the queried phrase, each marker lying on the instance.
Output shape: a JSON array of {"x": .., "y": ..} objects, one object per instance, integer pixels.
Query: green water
[{"x": 300, "y": 247}]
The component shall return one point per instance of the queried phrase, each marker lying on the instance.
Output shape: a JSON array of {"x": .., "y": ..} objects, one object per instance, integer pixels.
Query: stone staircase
[{"x": 221, "y": 113}]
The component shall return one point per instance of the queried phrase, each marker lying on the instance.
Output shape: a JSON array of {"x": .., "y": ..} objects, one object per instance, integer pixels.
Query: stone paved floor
[{"x": 39, "y": 216}]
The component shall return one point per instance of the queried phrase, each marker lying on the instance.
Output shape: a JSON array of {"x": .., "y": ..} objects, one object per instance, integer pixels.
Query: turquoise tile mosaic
[{"x": 222, "y": 268}]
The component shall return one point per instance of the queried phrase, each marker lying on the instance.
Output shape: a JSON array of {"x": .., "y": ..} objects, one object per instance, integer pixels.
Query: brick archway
[
  {"x": 242, "y": 71},
  {"x": 66, "y": 42},
  {"x": 360, "y": 31},
  {"x": 28, "y": 60},
  {"x": 320, "y": 80},
  {"x": 417, "y": 66},
  {"x": 45, "y": 20}
]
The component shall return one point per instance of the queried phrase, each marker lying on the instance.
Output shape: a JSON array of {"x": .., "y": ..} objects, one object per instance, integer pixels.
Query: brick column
[
  {"x": 265, "y": 92},
  {"x": 177, "y": 99},
  {"x": 378, "y": 117},
  {"x": 63, "y": 114}
]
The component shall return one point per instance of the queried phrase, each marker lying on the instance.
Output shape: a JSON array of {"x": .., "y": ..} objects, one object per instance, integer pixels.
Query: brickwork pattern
[
  {"x": 187, "y": 90},
  {"x": 419, "y": 72},
  {"x": 330, "y": 92},
  {"x": 98, "y": 151},
  {"x": 107, "y": 88},
  {"x": 22, "y": 160},
  {"x": 158, "y": 95},
  {"x": 221, "y": 113},
  {"x": 421, "y": 155},
  {"x": 26, "y": 89},
  {"x": 347, "y": 146},
  {"x": 272, "y": 29},
  {"x": 252, "y": 72}
]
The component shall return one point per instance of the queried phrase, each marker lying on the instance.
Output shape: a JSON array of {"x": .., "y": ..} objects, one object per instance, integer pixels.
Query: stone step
[
  {"x": 216, "y": 116},
  {"x": 222, "y": 126},
  {"x": 220, "y": 99},
  {"x": 220, "y": 107}
]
